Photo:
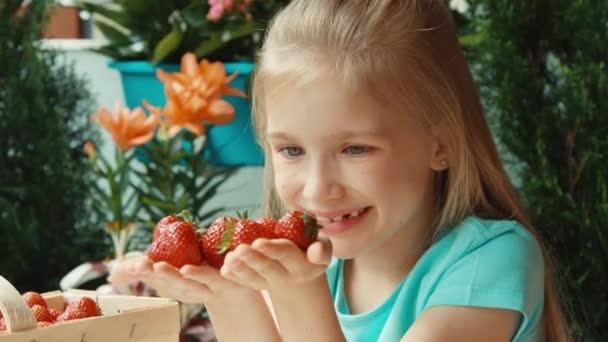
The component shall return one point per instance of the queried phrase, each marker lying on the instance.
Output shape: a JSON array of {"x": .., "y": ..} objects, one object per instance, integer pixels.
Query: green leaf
[
  {"x": 226, "y": 237},
  {"x": 114, "y": 33},
  {"x": 167, "y": 45},
  {"x": 137, "y": 6},
  {"x": 165, "y": 206},
  {"x": 216, "y": 40}
]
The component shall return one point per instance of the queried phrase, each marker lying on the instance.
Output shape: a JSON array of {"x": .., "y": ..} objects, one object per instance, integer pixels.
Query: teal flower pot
[{"x": 229, "y": 145}]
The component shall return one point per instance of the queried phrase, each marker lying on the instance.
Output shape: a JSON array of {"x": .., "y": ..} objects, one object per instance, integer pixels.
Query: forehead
[
  {"x": 325, "y": 108},
  {"x": 324, "y": 102}
]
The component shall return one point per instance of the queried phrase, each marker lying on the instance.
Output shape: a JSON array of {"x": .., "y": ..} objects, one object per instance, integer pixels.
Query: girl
[{"x": 370, "y": 121}]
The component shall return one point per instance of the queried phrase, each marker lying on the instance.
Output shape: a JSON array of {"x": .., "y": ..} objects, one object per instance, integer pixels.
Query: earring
[{"x": 444, "y": 163}]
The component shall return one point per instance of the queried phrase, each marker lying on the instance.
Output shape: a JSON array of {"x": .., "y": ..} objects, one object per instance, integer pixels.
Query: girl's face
[{"x": 365, "y": 172}]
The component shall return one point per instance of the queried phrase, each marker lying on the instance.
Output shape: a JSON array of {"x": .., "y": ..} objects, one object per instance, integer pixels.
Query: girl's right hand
[{"x": 190, "y": 284}]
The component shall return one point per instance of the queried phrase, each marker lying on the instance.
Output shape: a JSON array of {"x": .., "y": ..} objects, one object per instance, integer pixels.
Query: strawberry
[
  {"x": 302, "y": 229},
  {"x": 163, "y": 224},
  {"x": 54, "y": 314},
  {"x": 41, "y": 313},
  {"x": 246, "y": 231},
  {"x": 268, "y": 222},
  {"x": 212, "y": 239},
  {"x": 79, "y": 308},
  {"x": 175, "y": 243},
  {"x": 32, "y": 298}
]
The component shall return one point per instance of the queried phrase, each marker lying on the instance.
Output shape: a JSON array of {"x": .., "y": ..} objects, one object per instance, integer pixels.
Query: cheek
[{"x": 286, "y": 182}]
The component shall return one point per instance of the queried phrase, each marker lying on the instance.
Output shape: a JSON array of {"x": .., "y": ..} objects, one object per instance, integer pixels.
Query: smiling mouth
[{"x": 344, "y": 217}]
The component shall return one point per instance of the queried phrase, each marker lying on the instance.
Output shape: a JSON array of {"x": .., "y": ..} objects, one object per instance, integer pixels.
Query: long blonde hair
[{"x": 405, "y": 53}]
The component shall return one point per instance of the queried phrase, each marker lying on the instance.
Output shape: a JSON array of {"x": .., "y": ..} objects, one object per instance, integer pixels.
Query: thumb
[{"x": 319, "y": 252}]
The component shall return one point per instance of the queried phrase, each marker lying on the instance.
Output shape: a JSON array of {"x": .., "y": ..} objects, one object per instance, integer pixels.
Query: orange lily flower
[
  {"x": 127, "y": 127},
  {"x": 204, "y": 80},
  {"x": 194, "y": 96}
]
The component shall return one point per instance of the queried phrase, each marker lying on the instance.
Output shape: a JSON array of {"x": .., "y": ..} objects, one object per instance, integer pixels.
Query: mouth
[{"x": 339, "y": 218}]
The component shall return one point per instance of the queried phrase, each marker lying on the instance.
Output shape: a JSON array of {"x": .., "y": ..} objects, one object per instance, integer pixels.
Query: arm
[
  {"x": 227, "y": 302},
  {"x": 296, "y": 284},
  {"x": 306, "y": 312},
  {"x": 242, "y": 317},
  {"x": 463, "y": 323}
]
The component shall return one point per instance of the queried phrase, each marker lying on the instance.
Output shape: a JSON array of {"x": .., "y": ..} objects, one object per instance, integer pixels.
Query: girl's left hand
[{"x": 277, "y": 263}]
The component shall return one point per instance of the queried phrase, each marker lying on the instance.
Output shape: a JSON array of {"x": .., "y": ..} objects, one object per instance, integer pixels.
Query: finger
[
  {"x": 266, "y": 267},
  {"x": 141, "y": 266},
  {"x": 167, "y": 270},
  {"x": 319, "y": 252},
  {"x": 238, "y": 272},
  {"x": 172, "y": 278},
  {"x": 283, "y": 251},
  {"x": 202, "y": 273},
  {"x": 120, "y": 271}
]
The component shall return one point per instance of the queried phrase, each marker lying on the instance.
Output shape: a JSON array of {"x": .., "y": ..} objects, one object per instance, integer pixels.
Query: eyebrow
[{"x": 343, "y": 134}]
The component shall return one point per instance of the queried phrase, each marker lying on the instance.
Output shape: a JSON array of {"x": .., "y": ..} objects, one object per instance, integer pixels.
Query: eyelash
[{"x": 286, "y": 149}]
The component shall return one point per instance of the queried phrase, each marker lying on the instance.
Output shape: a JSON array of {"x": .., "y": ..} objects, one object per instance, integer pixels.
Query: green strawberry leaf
[{"x": 225, "y": 244}]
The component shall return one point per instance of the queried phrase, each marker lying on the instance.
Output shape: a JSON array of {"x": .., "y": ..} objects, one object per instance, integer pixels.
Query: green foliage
[
  {"x": 542, "y": 67},
  {"x": 43, "y": 171},
  {"x": 163, "y": 30},
  {"x": 174, "y": 177}
]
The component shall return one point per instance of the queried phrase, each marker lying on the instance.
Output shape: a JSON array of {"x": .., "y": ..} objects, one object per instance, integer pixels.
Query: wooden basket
[{"x": 124, "y": 318}]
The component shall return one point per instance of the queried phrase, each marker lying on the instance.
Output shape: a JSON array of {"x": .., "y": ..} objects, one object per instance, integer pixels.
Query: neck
[
  {"x": 396, "y": 256},
  {"x": 384, "y": 266}
]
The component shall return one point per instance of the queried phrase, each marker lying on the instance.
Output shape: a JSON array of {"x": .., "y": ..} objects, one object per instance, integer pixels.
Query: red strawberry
[
  {"x": 163, "y": 224},
  {"x": 54, "y": 314},
  {"x": 33, "y": 298},
  {"x": 302, "y": 229},
  {"x": 212, "y": 239},
  {"x": 268, "y": 222},
  {"x": 246, "y": 231},
  {"x": 41, "y": 313},
  {"x": 2, "y": 324},
  {"x": 79, "y": 308},
  {"x": 176, "y": 244}
]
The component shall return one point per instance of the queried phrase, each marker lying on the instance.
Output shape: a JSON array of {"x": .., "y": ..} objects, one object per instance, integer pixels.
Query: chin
[{"x": 344, "y": 252}]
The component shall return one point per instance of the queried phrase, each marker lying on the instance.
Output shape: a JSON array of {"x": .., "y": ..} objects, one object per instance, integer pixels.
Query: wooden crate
[{"x": 124, "y": 318}]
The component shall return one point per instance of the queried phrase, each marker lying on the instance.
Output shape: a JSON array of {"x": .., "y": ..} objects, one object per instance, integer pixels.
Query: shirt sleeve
[{"x": 507, "y": 272}]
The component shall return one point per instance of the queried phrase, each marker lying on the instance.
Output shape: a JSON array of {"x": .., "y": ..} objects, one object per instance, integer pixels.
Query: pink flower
[
  {"x": 242, "y": 7},
  {"x": 216, "y": 11}
]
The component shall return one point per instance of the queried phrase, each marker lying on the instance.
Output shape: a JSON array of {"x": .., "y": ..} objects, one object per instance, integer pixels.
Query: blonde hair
[{"x": 386, "y": 46}]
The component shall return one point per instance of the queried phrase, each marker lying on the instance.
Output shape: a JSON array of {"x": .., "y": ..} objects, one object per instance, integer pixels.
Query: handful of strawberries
[
  {"x": 76, "y": 309},
  {"x": 179, "y": 241}
]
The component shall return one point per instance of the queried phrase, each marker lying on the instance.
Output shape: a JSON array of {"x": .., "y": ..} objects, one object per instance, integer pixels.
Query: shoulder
[
  {"x": 494, "y": 264},
  {"x": 492, "y": 240}
]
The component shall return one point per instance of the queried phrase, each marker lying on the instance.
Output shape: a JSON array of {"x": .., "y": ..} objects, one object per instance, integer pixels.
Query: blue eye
[
  {"x": 357, "y": 150},
  {"x": 291, "y": 152}
]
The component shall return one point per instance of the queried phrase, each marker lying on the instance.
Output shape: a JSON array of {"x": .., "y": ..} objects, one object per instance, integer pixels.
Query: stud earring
[{"x": 444, "y": 163}]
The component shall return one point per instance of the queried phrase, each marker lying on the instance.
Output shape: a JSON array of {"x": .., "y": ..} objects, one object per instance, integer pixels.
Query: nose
[{"x": 323, "y": 182}]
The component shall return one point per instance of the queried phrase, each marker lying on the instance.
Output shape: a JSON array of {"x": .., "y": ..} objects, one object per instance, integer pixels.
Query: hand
[
  {"x": 275, "y": 264},
  {"x": 190, "y": 284}
]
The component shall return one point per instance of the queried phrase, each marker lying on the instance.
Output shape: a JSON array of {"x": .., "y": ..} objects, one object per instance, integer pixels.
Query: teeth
[
  {"x": 337, "y": 219},
  {"x": 321, "y": 219}
]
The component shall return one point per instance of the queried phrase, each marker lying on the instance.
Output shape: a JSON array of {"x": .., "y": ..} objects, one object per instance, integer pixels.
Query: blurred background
[{"x": 540, "y": 66}]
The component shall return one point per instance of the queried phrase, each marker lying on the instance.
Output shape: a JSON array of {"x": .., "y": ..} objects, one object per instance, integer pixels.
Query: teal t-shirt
[{"x": 482, "y": 263}]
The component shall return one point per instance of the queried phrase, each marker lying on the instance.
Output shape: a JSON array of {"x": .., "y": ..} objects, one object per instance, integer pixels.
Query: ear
[{"x": 439, "y": 156}]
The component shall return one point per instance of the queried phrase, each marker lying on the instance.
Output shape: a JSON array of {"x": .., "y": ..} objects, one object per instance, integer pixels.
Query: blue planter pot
[{"x": 230, "y": 145}]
